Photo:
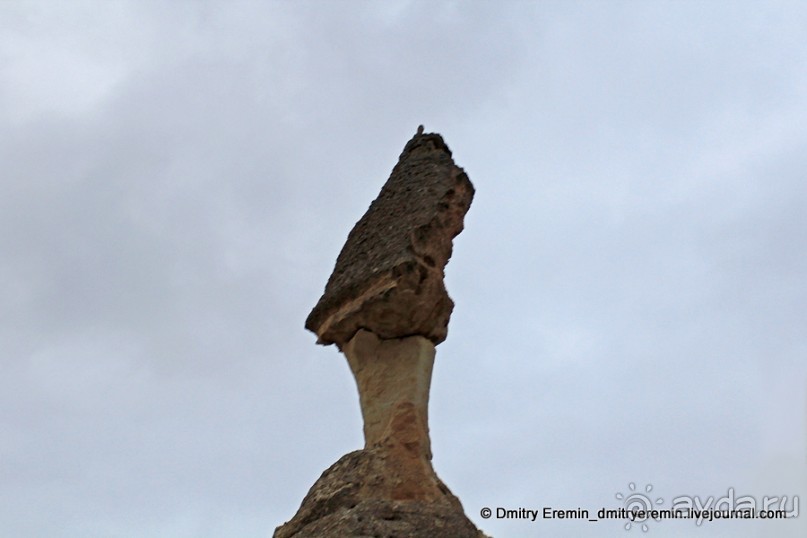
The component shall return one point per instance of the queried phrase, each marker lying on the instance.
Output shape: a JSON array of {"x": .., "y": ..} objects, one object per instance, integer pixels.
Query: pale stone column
[{"x": 393, "y": 377}]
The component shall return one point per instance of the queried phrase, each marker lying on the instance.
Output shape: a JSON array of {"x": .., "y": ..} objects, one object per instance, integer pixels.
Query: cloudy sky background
[{"x": 178, "y": 179}]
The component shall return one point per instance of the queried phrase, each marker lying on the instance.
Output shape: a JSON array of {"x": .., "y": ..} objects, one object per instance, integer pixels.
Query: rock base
[{"x": 351, "y": 499}]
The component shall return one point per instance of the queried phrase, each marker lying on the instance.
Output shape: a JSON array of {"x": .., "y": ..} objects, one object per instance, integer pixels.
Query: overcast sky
[{"x": 179, "y": 177}]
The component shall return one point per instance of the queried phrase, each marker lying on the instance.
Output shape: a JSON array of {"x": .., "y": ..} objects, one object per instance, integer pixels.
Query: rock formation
[
  {"x": 385, "y": 306},
  {"x": 389, "y": 276}
]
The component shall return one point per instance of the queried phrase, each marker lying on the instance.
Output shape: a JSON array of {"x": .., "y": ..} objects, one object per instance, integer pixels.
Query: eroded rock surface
[
  {"x": 388, "y": 278},
  {"x": 386, "y": 308},
  {"x": 367, "y": 494}
]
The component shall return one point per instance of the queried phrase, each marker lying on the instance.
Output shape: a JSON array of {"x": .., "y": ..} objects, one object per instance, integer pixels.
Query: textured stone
[
  {"x": 366, "y": 494},
  {"x": 388, "y": 277},
  {"x": 386, "y": 308}
]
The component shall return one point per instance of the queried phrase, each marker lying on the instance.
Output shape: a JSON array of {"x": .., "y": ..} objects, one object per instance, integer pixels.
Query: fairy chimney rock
[
  {"x": 388, "y": 278},
  {"x": 385, "y": 306}
]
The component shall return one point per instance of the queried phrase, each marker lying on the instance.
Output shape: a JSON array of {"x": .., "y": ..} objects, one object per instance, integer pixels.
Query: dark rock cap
[{"x": 388, "y": 278}]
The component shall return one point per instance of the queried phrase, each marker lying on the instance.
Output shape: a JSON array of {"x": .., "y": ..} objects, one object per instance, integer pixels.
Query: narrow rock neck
[{"x": 393, "y": 377}]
